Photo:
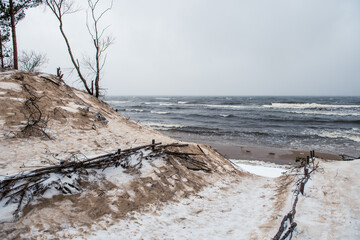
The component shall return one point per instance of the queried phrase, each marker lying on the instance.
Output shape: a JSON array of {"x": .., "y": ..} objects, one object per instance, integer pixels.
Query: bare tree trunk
[
  {"x": 1, "y": 52},
  {"x": 63, "y": 7},
  {"x": 75, "y": 63},
  {"x": 97, "y": 78},
  {"x": 13, "y": 31}
]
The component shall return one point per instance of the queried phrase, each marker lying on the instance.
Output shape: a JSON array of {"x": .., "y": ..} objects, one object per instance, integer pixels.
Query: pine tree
[
  {"x": 4, "y": 33},
  {"x": 12, "y": 11}
]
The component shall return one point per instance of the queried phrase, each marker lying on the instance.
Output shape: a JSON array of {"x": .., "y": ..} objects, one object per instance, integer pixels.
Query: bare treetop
[{"x": 100, "y": 42}]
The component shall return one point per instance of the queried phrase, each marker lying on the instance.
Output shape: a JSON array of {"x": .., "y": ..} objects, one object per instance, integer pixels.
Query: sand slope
[{"x": 71, "y": 125}]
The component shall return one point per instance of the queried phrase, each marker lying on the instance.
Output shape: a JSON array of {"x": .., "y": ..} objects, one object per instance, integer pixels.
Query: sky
[{"x": 211, "y": 47}]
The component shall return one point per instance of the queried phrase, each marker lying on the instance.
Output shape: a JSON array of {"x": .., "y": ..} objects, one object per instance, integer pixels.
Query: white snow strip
[
  {"x": 263, "y": 171},
  {"x": 12, "y": 99},
  {"x": 10, "y": 86},
  {"x": 45, "y": 75},
  {"x": 73, "y": 107},
  {"x": 69, "y": 109},
  {"x": 266, "y": 170}
]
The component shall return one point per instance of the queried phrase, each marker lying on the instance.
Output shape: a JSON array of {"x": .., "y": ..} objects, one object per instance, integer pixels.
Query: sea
[{"x": 326, "y": 124}]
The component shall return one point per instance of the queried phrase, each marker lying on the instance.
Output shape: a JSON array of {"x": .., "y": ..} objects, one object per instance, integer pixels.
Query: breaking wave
[
  {"x": 159, "y": 112},
  {"x": 308, "y": 105},
  {"x": 134, "y": 110},
  {"x": 340, "y": 135},
  {"x": 326, "y": 113},
  {"x": 162, "y": 126}
]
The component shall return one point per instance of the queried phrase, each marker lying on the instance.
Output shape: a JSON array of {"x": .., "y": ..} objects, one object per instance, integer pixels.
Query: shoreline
[
  {"x": 281, "y": 156},
  {"x": 284, "y": 155}
]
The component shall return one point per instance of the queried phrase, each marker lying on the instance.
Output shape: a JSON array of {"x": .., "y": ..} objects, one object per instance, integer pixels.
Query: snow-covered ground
[
  {"x": 250, "y": 208},
  {"x": 230, "y": 209},
  {"x": 330, "y": 208}
]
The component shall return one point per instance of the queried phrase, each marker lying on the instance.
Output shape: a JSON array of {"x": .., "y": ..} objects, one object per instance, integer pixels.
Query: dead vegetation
[
  {"x": 42, "y": 102},
  {"x": 35, "y": 121},
  {"x": 23, "y": 187}
]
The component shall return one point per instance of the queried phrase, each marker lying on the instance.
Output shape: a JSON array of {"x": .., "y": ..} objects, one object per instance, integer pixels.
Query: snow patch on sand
[
  {"x": 260, "y": 168},
  {"x": 217, "y": 212},
  {"x": 73, "y": 107},
  {"x": 12, "y": 99},
  {"x": 10, "y": 86}
]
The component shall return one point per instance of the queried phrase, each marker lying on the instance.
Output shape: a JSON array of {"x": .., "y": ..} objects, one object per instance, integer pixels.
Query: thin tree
[
  {"x": 14, "y": 11},
  {"x": 60, "y": 8},
  {"x": 100, "y": 42}
]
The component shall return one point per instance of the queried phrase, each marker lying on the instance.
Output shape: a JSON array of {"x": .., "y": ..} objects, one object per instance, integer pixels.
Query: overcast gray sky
[{"x": 213, "y": 47}]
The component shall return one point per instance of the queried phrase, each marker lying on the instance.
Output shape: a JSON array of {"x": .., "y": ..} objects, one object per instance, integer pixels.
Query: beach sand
[{"x": 268, "y": 154}]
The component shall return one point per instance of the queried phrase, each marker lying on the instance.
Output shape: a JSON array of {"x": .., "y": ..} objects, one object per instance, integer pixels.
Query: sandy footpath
[
  {"x": 249, "y": 208},
  {"x": 231, "y": 208}
]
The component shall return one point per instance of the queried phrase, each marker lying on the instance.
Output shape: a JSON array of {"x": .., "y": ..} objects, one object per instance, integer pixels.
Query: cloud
[{"x": 208, "y": 47}]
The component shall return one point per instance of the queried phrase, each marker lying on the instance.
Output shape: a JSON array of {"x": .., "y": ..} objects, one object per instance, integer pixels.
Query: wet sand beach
[{"x": 267, "y": 154}]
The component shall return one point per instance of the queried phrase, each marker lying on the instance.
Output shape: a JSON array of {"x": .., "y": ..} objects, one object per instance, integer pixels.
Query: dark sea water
[{"x": 329, "y": 124}]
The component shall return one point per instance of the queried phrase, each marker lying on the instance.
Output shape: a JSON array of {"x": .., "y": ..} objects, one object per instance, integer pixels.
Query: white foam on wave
[
  {"x": 162, "y": 98},
  {"x": 162, "y": 126},
  {"x": 114, "y": 102},
  {"x": 134, "y": 110},
  {"x": 166, "y": 104},
  {"x": 182, "y": 102},
  {"x": 225, "y": 115},
  {"x": 340, "y": 135},
  {"x": 327, "y": 113},
  {"x": 308, "y": 105},
  {"x": 159, "y": 103},
  {"x": 230, "y": 106},
  {"x": 159, "y": 112}
]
